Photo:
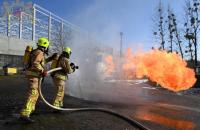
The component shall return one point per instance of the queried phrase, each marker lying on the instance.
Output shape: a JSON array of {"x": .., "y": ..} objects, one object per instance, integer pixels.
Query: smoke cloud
[{"x": 89, "y": 49}]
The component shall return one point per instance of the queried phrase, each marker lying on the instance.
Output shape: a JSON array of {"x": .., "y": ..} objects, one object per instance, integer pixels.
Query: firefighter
[
  {"x": 34, "y": 72},
  {"x": 61, "y": 76}
]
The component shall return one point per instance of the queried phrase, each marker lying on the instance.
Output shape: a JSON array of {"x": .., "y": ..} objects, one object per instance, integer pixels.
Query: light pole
[{"x": 121, "y": 35}]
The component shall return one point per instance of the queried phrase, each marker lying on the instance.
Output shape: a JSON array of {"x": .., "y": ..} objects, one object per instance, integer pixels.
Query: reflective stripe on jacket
[
  {"x": 32, "y": 73},
  {"x": 61, "y": 76}
]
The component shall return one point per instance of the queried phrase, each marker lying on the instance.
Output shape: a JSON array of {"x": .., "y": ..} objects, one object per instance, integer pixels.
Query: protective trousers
[
  {"x": 60, "y": 86},
  {"x": 33, "y": 95}
]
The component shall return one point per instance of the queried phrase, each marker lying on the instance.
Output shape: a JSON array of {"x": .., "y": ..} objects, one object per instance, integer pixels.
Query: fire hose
[{"x": 129, "y": 120}]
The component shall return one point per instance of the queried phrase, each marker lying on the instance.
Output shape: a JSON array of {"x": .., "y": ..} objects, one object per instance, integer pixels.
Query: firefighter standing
[
  {"x": 34, "y": 72},
  {"x": 60, "y": 77}
]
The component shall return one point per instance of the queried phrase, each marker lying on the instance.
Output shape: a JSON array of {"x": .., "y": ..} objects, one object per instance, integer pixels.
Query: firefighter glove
[{"x": 44, "y": 74}]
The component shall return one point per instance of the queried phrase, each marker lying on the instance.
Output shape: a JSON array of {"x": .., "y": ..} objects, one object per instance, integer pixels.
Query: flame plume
[
  {"x": 110, "y": 67},
  {"x": 167, "y": 69}
]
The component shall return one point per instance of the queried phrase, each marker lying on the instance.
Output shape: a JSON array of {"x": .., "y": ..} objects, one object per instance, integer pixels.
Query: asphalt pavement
[
  {"x": 156, "y": 108},
  {"x": 12, "y": 96}
]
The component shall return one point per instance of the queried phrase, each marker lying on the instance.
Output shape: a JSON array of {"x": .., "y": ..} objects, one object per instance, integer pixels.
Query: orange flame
[
  {"x": 128, "y": 68},
  {"x": 167, "y": 69},
  {"x": 109, "y": 65}
]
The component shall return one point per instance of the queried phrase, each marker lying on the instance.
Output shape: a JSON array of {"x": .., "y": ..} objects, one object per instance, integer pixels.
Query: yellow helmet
[
  {"x": 67, "y": 50},
  {"x": 43, "y": 42}
]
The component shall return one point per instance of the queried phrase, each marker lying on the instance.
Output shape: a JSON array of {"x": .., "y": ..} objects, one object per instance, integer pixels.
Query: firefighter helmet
[
  {"x": 43, "y": 42},
  {"x": 67, "y": 50}
]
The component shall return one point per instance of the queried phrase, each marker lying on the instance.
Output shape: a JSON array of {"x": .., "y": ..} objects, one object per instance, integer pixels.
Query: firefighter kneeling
[{"x": 59, "y": 77}]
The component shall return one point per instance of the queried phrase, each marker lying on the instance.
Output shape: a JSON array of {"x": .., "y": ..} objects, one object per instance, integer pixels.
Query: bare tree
[
  {"x": 159, "y": 31},
  {"x": 192, "y": 26},
  {"x": 176, "y": 33},
  {"x": 188, "y": 30},
  {"x": 170, "y": 29}
]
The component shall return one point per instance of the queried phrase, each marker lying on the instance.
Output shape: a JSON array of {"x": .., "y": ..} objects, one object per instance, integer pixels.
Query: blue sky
[{"x": 106, "y": 18}]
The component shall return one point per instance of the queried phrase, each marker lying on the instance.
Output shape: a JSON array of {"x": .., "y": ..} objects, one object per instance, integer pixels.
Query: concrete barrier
[{"x": 13, "y": 46}]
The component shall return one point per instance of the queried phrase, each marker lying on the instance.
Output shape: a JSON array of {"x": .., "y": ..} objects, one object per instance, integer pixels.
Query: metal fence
[{"x": 41, "y": 23}]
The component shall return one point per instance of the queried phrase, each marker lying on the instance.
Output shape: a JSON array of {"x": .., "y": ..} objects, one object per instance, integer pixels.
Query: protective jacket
[
  {"x": 64, "y": 63},
  {"x": 37, "y": 63}
]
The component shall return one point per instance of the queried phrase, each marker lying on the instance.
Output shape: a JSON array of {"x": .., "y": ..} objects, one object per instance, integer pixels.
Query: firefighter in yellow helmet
[
  {"x": 61, "y": 76},
  {"x": 34, "y": 72}
]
